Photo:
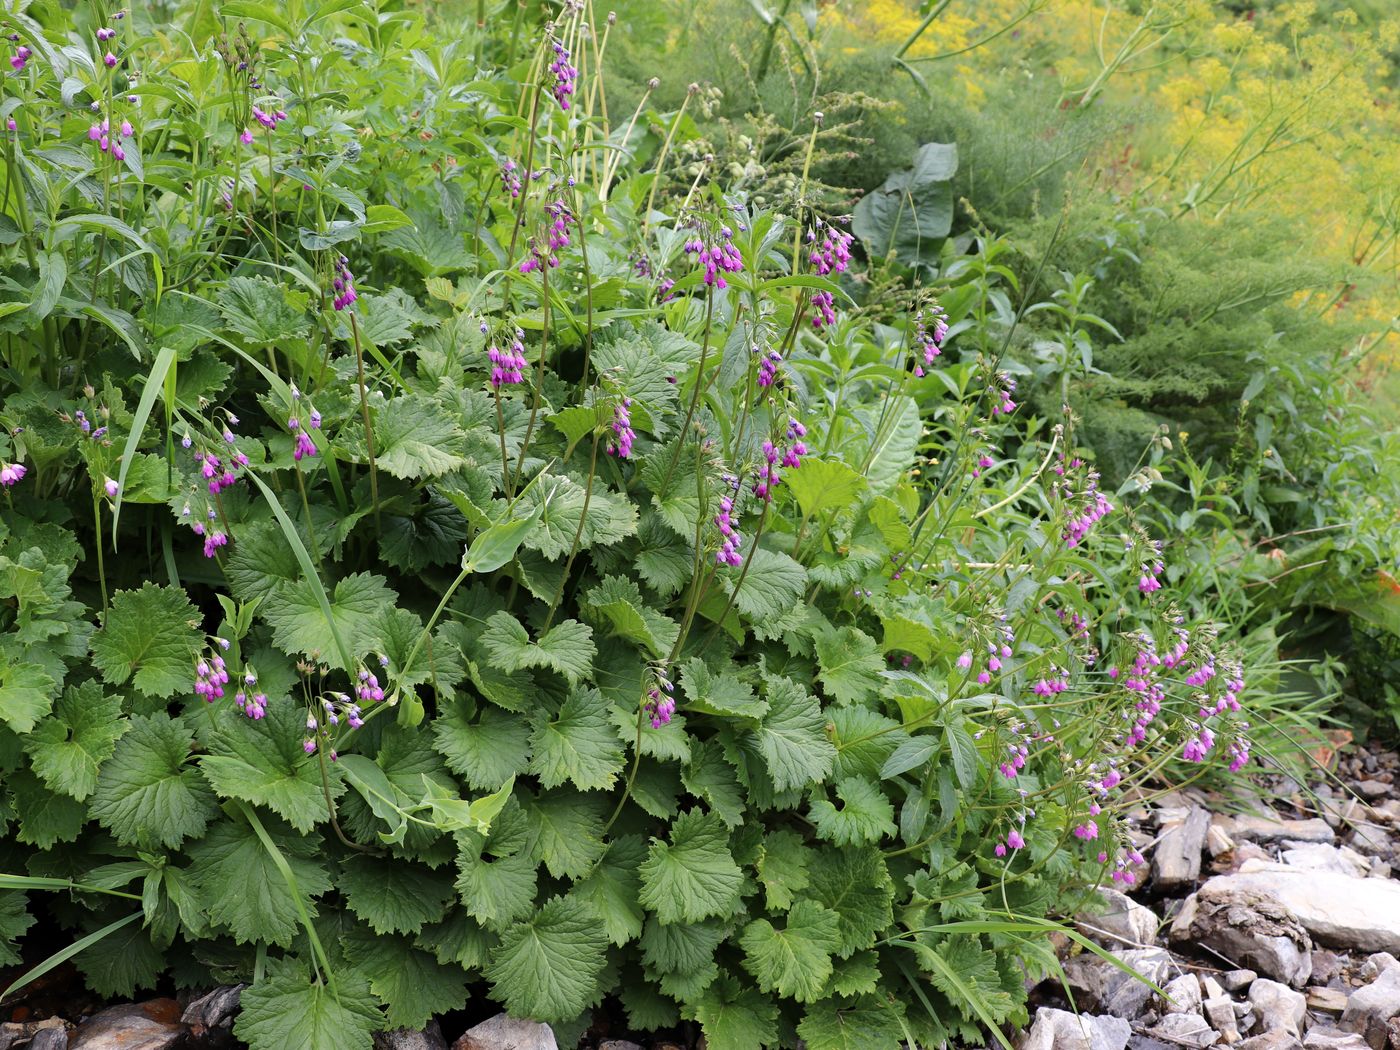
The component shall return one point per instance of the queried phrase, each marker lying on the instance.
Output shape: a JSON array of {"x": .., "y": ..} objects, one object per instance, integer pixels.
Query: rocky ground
[{"x": 1269, "y": 927}]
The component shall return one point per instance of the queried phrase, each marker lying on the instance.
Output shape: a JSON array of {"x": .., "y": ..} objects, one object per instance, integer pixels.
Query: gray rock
[
  {"x": 1271, "y": 829},
  {"x": 1061, "y": 1030},
  {"x": 1370, "y": 1009},
  {"x": 21, "y": 1033},
  {"x": 1246, "y": 926},
  {"x": 1279, "y": 1006},
  {"x": 1220, "y": 1013},
  {"x": 1218, "y": 840},
  {"x": 1184, "y": 1030},
  {"x": 155, "y": 1025},
  {"x": 1183, "y": 995},
  {"x": 1327, "y": 1000},
  {"x": 57, "y": 1039},
  {"x": 504, "y": 1032},
  {"x": 1275, "y": 1039},
  {"x": 1373, "y": 789},
  {"x": 619, "y": 1044},
  {"x": 1112, "y": 991},
  {"x": 1238, "y": 980},
  {"x": 1319, "y": 856},
  {"x": 214, "y": 1009},
  {"x": 1377, "y": 964},
  {"x": 1359, "y": 914},
  {"x": 1123, "y": 921},
  {"x": 1177, "y": 859},
  {"x": 1321, "y": 1037},
  {"x": 429, "y": 1038}
]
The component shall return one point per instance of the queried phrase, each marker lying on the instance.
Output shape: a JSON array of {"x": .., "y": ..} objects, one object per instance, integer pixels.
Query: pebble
[
  {"x": 504, "y": 1032},
  {"x": 153, "y": 1025},
  {"x": 1238, "y": 980},
  {"x": 1278, "y": 1005}
]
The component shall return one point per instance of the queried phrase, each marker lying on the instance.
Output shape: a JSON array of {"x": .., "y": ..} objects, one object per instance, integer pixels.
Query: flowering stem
[
  {"x": 364, "y": 414},
  {"x": 661, "y": 162},
  {"x": 501, "y": 433},
  {"x": 743, "y": 573},
  {"x": 539, "y": 380},
  {"x": 578, "y": 534},
  {"x": 306, "y": 509},
  {"x": 101, "y": 568},
  {"x": 802, "y": 194},
  {"x": 695, "y": 393}
]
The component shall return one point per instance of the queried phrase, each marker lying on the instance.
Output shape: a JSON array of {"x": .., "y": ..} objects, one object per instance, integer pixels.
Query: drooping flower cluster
[
  {"x": 1085, "y": 503},
  {"x": 343, "y": 284},
  {"x": 728, "y": 553},
  {"x": 555, "y": 238},
  {"x": 717, "y": 258},
  {"x": 620, "y": 444},
  {"x": 788, "y": 453},
  {"x": 660, "y": 703},
  {"x": 304, "y": 445},
  {"x": 269, "y": 120},
  {"x": 249, "y": 699},
  {"x": 21, "y": 57},
  {"x": 12, "y": 473},
  {"x": 564, "y": 74},
  {"x": 510, "y": 179},
  {"x": 769, "y": 366},
  {"x": 1000, "y": 389},
  {"x": 101, "y": 133},
  {"x": 367, "y": 687},
  {"x": 930, "y": 329},
  {"x": 508, "y": 365},
  {"x": 211, "y": 673},
  {"x": 829, "y": 252}
]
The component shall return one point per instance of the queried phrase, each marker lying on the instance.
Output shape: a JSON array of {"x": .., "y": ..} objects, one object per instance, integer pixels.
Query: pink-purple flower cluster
[
  {"x": 788, "y": 453},
  {"x": 769, "y": 366},
  {"x": 661, "y": 702},
  {"x": 249, "y": 699},
  {"x": 1001, "y": 387},
  {"x": 367, "y": 687},
  {"x": 343, "y": 284},
  {"x": 620, "y": 444},
  {"x": 718, "y": 258},
  {"x": 101, "y": 133},
  {"x": 829, "y": 252},
  {"x": 12, "y": 473},
  {"x": 211, "y": 674},
  {"x": 269, "y": 120},
  {"x": 508, "y": 365},
  {"x": 930, "y": 329},
  {"x": 728, "y": 553},
  {"x": 21, "y": 57},
  {"x": 510, "y": 179},
  {"x": 565, "y": 75}
]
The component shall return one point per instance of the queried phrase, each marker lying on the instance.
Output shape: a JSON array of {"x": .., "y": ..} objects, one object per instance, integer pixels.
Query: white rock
[
  {"x": 1122, "y": 922},
  {"x": 504, "y": 1032},
  {"x": 1061, "y": 1030},
  {"x": 1220, "y": 1012},
  {"x": 1279, "y": 1006},
  {"x": 1268, "y": 829},
  {"x": 1247, "y": 926},
  {"x": 1319, "y": 856},
  {"x": 1112, "y": 991},
  {"x": 1274, "y": 1039},
  {"x": 1185, "y": 1030},
  {"x": 1238, "y": 980},
  {"x": 1377, "y": 964},
  {"x": 1370, "y": 1008},
  {"x": 1183, "y": 995},
  {"x": 1320, "y": 1037},
  {"x": 1359, "y": 914}
]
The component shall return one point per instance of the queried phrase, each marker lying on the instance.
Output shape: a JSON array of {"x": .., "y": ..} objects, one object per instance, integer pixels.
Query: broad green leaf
[
  {"x": 865, "y": 814},
  {"x": 263, "y": 762},
  {"x": 577, "y": 745},
  {"x": 148, "y": 793},
  {"x": 285, "y": 1012},
  {"x": 912, "y": 211},
  {"x": 710, "y": 777},
  {"x": 850, "y": 664},
  {"x": 567, "y": 647},
  {"x": 891, "y": 452},
  {"x": 242, "y": 888},
  {"x": 257, "y": 309},
  {"x": 69, "y": 748},
  {"x": 734, "y": 1017},
  {"x": 966, "y": 760},
  {"x": 150, "y": 637},
  {"x": 496, "y": 545},
  {"x": 823, "y": 485},
  {"x": 612, "y": 888},
  {"x": 782, "y": 867},
  {"x": 694, "y": 876},
  {"x": 45, "y": 817},
  {"x": 15, "y": 920},
  {"x": 485, "y": 753},
  {"x": 26, "y": 694},
  {"x": 299, "y": 624},
  {"x": 409, "y": 981},
  {"x": 792, "y": 736},
  {"x": 911, "y": 754},
  {"x": 794, "y": 961},
  {"x": 565, "y": 831},
  {"x": 773, "y": 585},
  {"x": 496, "y": 891},
  {"x": 869, "y": 1022},
  {"x": 547, "y": 967},
  {"x": 722, "y": 693},
  {"x": 855, "y": 884},
  {"x": 416, "y": 438},
  {"x": 394, "y": 895},
  {"x": 560, "y": 502},
  {"x": 620, "y": 602}
]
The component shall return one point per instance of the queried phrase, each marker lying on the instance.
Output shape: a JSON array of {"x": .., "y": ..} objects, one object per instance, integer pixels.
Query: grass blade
[
  {"x": 61, "y": 957},
  {"x": 155, "y": 383}
]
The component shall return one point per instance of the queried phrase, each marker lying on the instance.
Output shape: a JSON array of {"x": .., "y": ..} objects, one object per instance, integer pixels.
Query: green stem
[{"x": 364, "y": 414}]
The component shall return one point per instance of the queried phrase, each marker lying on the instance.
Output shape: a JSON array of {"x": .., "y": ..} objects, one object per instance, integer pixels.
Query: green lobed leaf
[
  {"x": 865, "y": 814},
  {"x": 283, "y": 1011},
  {"x": 67, "y": 749},
  {"x": 567, "y": 647},
  {"x": 150, "y": 637},
  {"x": 487, "y": 752},
  {"x": 148, "y": 794},
  {"x": 577, "y": 745},
  {"x": 850, "y": 664},
  {"x": 794, "y": 961},
  {"x": 299, "y": 624},
  {"x": 547, "y": 966},
  {"x": 394, "y": 895},
  {"x": 792, "y": 736},
  {"x": 694, "y": 876}
]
